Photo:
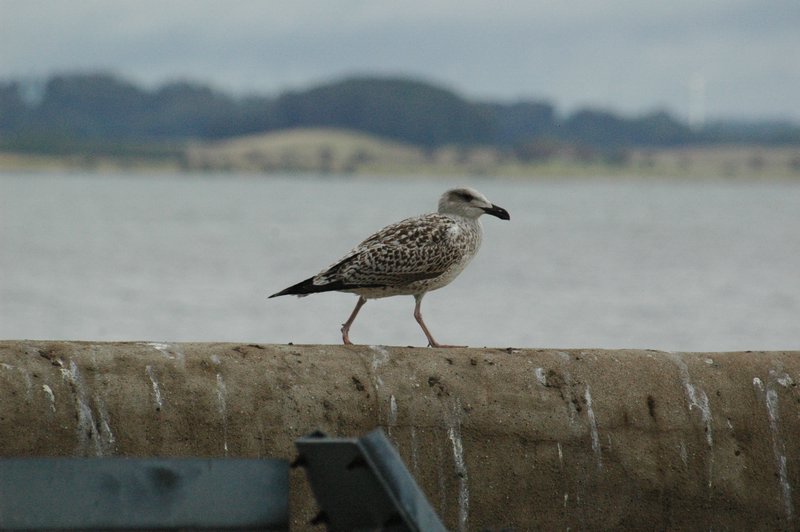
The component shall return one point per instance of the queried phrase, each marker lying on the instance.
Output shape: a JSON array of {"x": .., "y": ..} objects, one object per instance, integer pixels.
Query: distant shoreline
[{"x": 342, "y": 152}]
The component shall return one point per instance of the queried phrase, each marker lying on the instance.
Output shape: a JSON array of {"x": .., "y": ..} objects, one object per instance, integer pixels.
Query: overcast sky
[{"x": 718, "y": 58}]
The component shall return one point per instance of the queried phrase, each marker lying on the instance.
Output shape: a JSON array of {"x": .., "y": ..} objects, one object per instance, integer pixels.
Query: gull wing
[{"x": 411, "y": 250}]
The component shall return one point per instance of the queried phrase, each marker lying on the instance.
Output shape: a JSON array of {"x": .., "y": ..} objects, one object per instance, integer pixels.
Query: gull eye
[{"x": 466, "y": 196}]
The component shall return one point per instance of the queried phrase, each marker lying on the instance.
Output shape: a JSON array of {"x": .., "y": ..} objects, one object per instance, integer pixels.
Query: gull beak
[{"x": 500, "y": 212}]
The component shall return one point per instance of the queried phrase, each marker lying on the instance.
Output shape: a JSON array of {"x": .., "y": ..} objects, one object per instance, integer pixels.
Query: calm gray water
[{"x": 672, "y": 265}]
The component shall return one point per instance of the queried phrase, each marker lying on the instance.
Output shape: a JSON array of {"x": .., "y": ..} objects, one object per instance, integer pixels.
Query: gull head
[{"x": 469, "y": 203}]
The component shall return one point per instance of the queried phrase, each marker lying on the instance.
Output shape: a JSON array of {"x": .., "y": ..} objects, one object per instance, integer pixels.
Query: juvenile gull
[{"x": 411, "y": 257}]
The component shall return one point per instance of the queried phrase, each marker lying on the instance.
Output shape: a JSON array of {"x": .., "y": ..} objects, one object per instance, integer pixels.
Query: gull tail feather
[{"x": 303, "y": 288}]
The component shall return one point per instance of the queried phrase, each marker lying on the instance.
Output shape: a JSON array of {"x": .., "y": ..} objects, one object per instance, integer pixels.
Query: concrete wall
[{"x": 498, "y": 439}]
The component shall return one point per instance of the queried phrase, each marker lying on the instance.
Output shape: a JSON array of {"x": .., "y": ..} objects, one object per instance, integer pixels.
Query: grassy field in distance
[{"x": 334, "y": 151}]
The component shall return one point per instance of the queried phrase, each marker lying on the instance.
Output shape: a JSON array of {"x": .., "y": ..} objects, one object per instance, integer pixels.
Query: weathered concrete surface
[{"x": 498, "y": 439}]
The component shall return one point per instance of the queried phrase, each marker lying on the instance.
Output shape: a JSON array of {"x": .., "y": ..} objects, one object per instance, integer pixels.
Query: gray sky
[{"x": 739, "y": 58}]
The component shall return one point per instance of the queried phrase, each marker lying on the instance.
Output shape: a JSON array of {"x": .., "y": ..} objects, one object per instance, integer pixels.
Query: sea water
[{"x": 697, "y": 265}]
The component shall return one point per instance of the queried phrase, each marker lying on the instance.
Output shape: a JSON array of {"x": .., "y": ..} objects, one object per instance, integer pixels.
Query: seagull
[{"x": 411, "y": 257}]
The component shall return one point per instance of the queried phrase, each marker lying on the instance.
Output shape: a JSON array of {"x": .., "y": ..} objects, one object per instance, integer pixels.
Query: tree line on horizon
[{"x": 68, "y": 110}]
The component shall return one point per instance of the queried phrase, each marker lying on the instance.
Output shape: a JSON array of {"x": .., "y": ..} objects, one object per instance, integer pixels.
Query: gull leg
[
  {"x": 418, "y": 317},
  {"x": 346, "y": 325}
]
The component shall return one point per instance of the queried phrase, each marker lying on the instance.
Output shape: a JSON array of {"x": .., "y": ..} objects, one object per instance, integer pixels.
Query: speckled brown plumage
[{"x": 410, "y": 257}]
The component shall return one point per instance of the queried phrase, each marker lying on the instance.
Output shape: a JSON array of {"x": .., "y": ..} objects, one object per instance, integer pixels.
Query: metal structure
[
  {"x": 143, "y": 493},
  {"x": 363, "y": 484},
  {"x": 360, "y": 484}
]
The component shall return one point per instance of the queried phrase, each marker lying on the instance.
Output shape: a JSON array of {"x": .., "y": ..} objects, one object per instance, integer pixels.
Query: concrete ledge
[{"x": 519, "y": 439}]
